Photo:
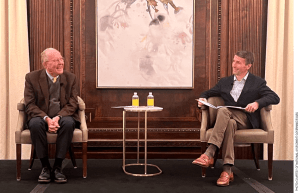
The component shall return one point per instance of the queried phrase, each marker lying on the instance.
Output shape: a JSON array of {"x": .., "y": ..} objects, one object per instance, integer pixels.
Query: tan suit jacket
[{"x": 36, "y": 94}]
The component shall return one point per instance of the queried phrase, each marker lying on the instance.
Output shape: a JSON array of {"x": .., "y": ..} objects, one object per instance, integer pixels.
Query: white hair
[{"x": 44, "y": 56}]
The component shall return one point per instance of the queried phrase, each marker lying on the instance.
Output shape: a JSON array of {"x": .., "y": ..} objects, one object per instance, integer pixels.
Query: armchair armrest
[
  {"x": 20, "y": 122},
  {"x": 204, "y": 124},
  {"x": 204, "y": 107},
  {"x": 83, "y": 125},
  {"x": 81, "y": 105},
  {"x": 268, "y": 108},
  {"x": 81, "y": 114},
  {"x": 266, "y": 118},
  {"x": 21, "y": 107},
  {"x": 209, "y": 116},
  {"x": 266, "y": 123}
]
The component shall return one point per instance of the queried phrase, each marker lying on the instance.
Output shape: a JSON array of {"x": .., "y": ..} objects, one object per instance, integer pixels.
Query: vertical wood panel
[
  {"x": 67, "y": 32},
  {"x": 212, "y": 42},
  {"x": 263, "y": 41},
  {"x": 46, "y": 28},
  {"x": 208, "y": 34},
  {"x": 247, "y": 19},
  {"x": 224, "y": 38},
  {"x": 81, "y": 72}
]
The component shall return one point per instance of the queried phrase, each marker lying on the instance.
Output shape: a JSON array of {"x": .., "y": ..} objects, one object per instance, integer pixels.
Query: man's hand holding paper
[{"x": 199, "y": 101}]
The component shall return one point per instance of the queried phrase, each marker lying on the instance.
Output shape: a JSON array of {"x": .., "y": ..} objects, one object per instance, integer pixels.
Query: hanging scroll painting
[{"x": 145, "y": 44}]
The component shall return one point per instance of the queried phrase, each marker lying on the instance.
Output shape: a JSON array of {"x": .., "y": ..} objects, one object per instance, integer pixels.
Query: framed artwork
[{"x": 145, "y": 44}]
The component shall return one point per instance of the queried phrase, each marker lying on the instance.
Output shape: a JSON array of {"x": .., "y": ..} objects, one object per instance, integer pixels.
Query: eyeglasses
[{"x": 57, "y": 60}]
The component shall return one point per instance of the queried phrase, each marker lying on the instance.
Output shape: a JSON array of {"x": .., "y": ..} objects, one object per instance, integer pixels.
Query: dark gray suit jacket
[
  {"x": 36, "y": 94},
  {"x": 255, "y": 89}
]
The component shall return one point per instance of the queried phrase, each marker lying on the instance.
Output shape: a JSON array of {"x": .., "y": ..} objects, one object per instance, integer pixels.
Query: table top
[{"x": 140, "y": 108}]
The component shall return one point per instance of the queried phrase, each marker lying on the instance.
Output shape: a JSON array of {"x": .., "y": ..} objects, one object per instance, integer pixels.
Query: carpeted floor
[{"x": 178, "y": 176}]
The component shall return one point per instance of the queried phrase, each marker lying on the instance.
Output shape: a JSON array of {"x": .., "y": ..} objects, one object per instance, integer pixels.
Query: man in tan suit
[
  {"x": 242, "y": 89},
  {"x": 51, "y": 105}
]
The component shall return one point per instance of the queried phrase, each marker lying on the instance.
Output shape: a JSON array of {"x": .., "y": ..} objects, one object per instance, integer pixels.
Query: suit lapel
[
  {"x": 44, "y": 87},
  {"x": 230, "y": 85},
  {"x": 231, "y": 82},
  {"x": 63, "y": 84}
]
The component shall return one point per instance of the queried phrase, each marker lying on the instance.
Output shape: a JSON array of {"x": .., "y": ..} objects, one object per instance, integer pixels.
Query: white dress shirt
[
  {"x": 238, "y": 87},
  {"x": 51, "y": 77}
]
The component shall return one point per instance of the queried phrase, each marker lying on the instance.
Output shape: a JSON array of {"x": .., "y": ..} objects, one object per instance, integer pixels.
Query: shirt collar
[
  {"x": 245, "y": 77},
  {"x": 51, "y": 77}
]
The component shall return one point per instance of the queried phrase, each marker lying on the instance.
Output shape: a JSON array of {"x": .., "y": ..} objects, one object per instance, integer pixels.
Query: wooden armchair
[
  {"x": 22, "y": 136},
  {"x": 242, "y": 137}
]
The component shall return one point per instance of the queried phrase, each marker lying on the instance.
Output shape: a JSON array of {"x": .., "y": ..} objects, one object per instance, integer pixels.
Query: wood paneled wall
[
  {"x": 222, "y": 27},
  {"x": 243, "y": 27}
]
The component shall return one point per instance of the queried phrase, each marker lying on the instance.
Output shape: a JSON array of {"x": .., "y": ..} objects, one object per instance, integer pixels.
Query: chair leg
[
  {"x": 255, "y": 155},
  {"x": 18, "y": 152},
  {"x": 203, "y": 148},
  {"x": 270, "y": 161},
  {"x": 32, "y": 157},
  {"x": 71, "y": 152},
  {"x": 84, "y": 159}
]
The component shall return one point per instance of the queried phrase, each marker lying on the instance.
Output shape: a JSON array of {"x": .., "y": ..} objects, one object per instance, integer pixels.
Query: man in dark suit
[
  {"x": 51, "y": 105},
  {"x": 241, "y": 89}
]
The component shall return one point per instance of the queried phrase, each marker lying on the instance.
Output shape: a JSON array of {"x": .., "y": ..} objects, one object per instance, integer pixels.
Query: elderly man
[
  {"x": 51, "y": 105},
  {"x": 242, "y": 89}
]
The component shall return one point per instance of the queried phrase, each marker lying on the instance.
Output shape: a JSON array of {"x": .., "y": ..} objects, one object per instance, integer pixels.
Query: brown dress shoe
[
  {"x": 224, "y": 179},
  {"x": 204, "y": 161}
]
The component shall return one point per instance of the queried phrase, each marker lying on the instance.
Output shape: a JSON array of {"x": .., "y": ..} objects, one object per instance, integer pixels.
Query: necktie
[{"x": 54, "y": 79}]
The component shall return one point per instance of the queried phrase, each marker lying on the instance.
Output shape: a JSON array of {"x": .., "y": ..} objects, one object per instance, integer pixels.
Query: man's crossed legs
[{"x": 227, "y": 122}]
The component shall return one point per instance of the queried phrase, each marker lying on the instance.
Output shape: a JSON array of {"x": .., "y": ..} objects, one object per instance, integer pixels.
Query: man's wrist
[
  {"x": 59, "y": 116},
  {"x": 45, "y": 118}
]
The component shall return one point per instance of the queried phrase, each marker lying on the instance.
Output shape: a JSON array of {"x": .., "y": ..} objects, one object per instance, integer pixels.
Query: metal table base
[
  {"x": 138, "y": 150},
  {"x": 140, "y": 164}
]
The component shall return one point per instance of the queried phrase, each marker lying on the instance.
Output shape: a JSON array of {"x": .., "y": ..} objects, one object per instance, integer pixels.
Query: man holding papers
[{"x": 242, "y": 89}]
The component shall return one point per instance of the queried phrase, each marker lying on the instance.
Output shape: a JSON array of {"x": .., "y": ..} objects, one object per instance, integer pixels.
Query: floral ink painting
[{"x": 145, "y": 44}]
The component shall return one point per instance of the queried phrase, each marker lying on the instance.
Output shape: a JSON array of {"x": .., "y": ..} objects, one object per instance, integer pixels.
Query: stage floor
[{"x": 179, "y": 175}]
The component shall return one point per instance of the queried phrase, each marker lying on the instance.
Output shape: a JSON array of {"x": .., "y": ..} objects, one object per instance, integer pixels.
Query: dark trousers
[{"x": 38, "y": 128}]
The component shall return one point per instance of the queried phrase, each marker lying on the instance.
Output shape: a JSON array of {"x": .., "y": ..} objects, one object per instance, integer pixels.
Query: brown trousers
[{"x": 227, "y": 122}]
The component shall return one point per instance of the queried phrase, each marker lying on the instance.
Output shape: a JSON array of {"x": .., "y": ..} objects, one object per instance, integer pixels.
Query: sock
[
  {"x": 227, "y": 168},
  {"x": 211, "y": 150},
  {"x": 58, "y": 163},
  {"x": 45, "y": 162}
]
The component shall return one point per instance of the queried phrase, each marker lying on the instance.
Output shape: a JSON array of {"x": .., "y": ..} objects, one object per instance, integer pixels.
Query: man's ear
[
  {"x": 45, "y": 64},
  {"x": 249, "y": 66}
]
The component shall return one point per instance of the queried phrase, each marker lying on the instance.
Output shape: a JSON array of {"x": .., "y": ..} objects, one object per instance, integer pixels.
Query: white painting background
[{"x": 132, "y": 53}]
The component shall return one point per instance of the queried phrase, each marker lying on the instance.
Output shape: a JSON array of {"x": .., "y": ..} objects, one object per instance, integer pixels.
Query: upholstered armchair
[
  {"x": 265, "y": 134},
  {"x": 22, "y": 136}
]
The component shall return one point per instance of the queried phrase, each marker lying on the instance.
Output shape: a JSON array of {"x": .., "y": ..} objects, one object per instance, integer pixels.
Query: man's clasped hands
[{"x": 53, "y": 125}]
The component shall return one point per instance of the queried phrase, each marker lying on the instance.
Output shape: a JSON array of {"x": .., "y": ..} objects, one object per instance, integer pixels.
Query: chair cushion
[
  {"x": 51, "y": 138},
  {"x": 248, "y": 136}
]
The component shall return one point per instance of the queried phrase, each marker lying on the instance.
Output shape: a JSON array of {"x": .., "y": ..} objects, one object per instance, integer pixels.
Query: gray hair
[
  {"x": 44, "y": 56},
  {"x": 248, "y": 56}
]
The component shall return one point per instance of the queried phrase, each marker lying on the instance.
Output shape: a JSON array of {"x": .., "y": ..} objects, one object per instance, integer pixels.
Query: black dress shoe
[
  {"x": 58, "y": 176},
  {"x": 45, "y": 176}
]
